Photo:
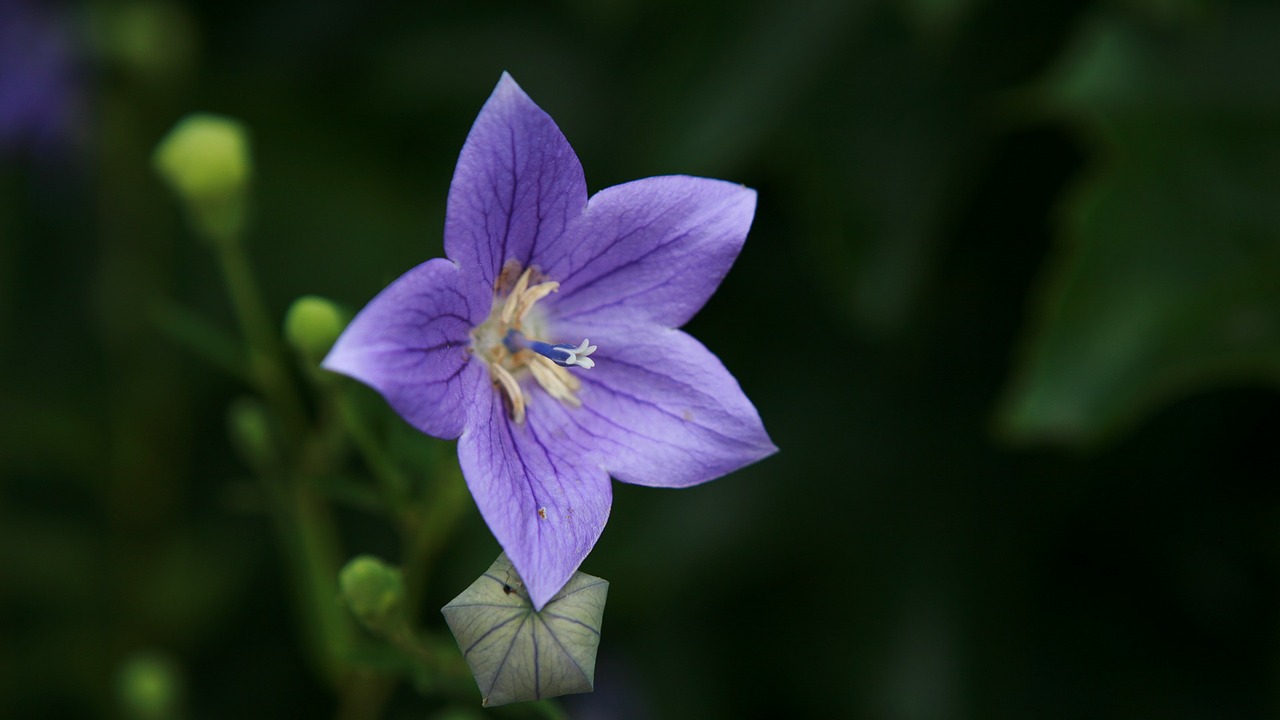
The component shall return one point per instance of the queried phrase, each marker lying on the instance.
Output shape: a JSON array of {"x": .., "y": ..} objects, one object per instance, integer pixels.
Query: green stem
[
  {"x": 425, "y": 530},
  {"x": 201, "y": 337},
  {"x": 549, "y": 709},
  {"x": 383, "y": 468},
  {"x": 434, "y": 524},
  {"x": 305, "y": 520},
  {"x": 309, "y": 548},
  {"x": 267, "y": 364}
]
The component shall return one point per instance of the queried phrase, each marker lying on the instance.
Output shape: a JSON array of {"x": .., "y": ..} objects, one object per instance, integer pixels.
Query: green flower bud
[
  {"x": 154, "y": 40},
  {"x": 250, "y": 431},
  {"x": 373, "y": 590},
  {"x": 149, "y": 687},
  {"x": 312, "y": 325},
  {"x": 205, "y": 159}
]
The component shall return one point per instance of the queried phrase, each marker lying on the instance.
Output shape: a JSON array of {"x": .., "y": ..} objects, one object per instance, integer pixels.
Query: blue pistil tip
[{"x": 562, "y": 354}]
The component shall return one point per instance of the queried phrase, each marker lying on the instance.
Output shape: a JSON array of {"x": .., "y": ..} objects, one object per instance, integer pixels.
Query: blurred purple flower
[
  {"x": 490, "y": 345},
  {"x": 39, "y": 83}
]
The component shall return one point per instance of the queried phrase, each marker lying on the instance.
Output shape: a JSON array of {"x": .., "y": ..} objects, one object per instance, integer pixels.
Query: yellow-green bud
[
  {"x": 312, "y": 325},
  {"x": 149, "y": 687},
  {"x": 205, "y": 159},
  {"x": 373, "y": 591}
]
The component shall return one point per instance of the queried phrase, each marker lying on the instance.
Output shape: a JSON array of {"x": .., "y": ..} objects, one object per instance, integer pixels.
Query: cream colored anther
[
  {"x": 523, "y": 298},
  {"x": 512, "y": 388},
  {"x": 558, "y": 382}
]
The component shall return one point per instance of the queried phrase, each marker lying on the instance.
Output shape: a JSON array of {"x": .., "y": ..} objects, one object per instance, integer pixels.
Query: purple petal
[
  {"x": 412, "y": 344},
  {"x": 663, "y": 410},
  {"x": 653, "y": 249},
  {"x": 536, "y": 487},
  {"x": 516, "y": 187}
]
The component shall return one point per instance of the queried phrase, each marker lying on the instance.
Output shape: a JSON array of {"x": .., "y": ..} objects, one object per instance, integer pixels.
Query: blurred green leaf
[
  {"x": 201, "y": 337},
  {"x": 937, "y": 16},
  {"x": 898, "y": 135},
  {"x": 1167, "y": 280},
  {"x": 189, "y": 591},
  {"x": 1172, "y": 11}
]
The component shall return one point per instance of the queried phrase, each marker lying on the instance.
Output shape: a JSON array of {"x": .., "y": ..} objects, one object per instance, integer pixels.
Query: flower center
[{"x": 507, "y": 343}]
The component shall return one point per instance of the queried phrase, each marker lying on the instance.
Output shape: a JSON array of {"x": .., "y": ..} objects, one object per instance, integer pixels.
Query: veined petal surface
[
  {"x": 537, "y": 487},
  {"x": 652, "y": 249},
  {"x": 410, "y": 343},
  {"x": 516, "y": 187},
  {"x": 662, "y": 410}
]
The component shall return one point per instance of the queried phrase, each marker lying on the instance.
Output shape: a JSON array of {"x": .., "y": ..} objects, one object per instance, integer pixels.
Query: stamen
[
  {"x": 532, "y": 296},
  {"x": 523, "y": 298},
  {"x": 558, "y": 382},
  {"x": 512, "y": 387},
  {"x": 513, "y": 300},
  {"x": 501, "y": 342}
]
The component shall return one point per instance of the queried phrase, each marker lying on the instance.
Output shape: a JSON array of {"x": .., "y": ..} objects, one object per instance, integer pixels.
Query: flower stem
[
  {"x": 266, "y": 362},
  {"x": 305, "y": 521},
  {"x": 549, "y": 709},
  {"x": 316, "y": 570},
  {"x": 380, "y": 464},
  {"x": 433, "y": 525}
]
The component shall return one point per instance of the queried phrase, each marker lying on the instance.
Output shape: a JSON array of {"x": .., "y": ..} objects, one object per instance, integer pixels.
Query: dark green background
[{"x": 1010, "y": 308}]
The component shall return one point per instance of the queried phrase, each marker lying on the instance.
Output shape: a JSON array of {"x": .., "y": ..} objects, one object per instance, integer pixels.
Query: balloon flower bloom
[{"x": 546, "y": 344}]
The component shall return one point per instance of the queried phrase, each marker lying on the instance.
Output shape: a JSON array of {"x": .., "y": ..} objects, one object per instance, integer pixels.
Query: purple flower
[
  {"x": 39, "y": 80},
  {"x": 491, "y": 346}
]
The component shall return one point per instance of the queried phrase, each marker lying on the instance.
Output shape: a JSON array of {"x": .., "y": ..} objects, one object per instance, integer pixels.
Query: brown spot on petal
[{"x": 542, "y": 513}]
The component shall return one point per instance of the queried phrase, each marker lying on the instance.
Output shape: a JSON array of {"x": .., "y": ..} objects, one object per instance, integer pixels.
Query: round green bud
[
  {"x": 205, "y": 159},
  {"x": 149, "y": 687},
  {"x": 372, "y": 590},
  {"x": 312, "y": 325}
]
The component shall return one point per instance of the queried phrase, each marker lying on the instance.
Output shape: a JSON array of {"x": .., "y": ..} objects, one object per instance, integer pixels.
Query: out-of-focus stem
[
  {"x": 267, "y": 364},
  {"x": 427, "y": 526},
  {"x": 375, "y": 457},
  {"x": 306, "y": 523},
  {"x": 431, "y": 527},
  {"x": 310, "y": 534},
  {"x": 549, "y": 709}
]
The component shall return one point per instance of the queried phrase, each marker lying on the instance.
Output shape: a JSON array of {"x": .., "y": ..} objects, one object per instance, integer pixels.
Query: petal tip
[
  {"x": 507, "y": 86},
  {"x": 338, "y": 359}
]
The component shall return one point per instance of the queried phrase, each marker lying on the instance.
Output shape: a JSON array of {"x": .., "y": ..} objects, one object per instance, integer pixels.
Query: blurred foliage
[
  {"x": 1055, "y": 219},
  {"x": 1168, "y": 278}
]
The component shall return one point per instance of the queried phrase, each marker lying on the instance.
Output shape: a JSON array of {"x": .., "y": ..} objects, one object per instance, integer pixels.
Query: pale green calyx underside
[{"x": 517, "y": 653}]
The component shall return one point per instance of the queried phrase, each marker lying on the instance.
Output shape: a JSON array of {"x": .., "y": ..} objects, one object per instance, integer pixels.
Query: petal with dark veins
[
  {"x": 537, "y": 487},
  {"x": 516, "y": 187},
  {"x": 653, "y": 249},
  {"x": 411, "y": 344},
  {"x": 663, "y": 411}
]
